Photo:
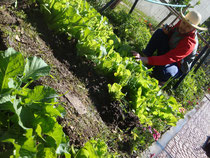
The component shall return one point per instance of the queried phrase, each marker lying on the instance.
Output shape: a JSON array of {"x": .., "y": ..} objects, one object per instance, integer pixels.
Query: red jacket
[{"x": 181, "y": 49}]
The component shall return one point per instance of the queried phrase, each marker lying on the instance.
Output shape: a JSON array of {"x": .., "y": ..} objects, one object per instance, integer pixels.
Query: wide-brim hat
[{"x": 193, "y": 18}]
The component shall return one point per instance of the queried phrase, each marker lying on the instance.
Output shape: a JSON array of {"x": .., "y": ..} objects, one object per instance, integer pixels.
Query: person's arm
[
  {"x": 144, "y": 60},
  {"x": 183, "y": 49}
]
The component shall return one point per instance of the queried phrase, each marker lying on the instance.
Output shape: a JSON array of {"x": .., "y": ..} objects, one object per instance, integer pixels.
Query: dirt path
[
  {"x": 89, "y": 110},
  {"x": 82, "y": 121}
]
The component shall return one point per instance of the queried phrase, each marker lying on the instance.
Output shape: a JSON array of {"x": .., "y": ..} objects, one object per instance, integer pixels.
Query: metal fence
[{"x": 159, "y": 12}]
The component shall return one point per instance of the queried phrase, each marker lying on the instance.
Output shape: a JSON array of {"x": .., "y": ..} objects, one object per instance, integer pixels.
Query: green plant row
[
  {"x": 28, "y": 126},
  {"x": 97, "y": 42}
]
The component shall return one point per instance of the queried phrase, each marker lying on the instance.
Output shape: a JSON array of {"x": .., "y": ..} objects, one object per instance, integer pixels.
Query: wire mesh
[
  {"x": 159, "y": 12},
  {"x": 154, "y": 11}
]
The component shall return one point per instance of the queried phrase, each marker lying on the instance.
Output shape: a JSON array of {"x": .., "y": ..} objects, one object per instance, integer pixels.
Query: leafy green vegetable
[
  {"x": 28, "y": 116},
  {"x": 35, "y": 68},
  {"x": 115, "y": 89},
  {"x": 98, "y": 43},
  {"x": 94, "y": 149},
  {"x": 11, "y": 66}
]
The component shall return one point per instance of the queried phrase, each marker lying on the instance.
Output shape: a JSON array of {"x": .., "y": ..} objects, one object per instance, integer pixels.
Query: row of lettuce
[
  {"x": 98, "y": 43},
  {"x": 28, "y": 113},
  {"x": 28, "y": 125}
]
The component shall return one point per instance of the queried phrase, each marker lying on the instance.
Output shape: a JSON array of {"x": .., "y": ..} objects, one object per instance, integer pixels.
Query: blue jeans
[{"x": 160, "y": 42}]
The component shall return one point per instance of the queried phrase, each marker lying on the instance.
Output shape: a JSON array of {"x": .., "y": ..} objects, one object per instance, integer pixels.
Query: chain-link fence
[{"x": 159, "y": 12}]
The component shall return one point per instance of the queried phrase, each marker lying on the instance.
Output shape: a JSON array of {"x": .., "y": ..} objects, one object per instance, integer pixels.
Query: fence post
[
  {"x": 113, "y": 5},
  {"x": 134, "y": 5},
  {"x": 202, "y": 60},
  {"x": 194, "y": 62},
  {"x": 106, "y": 6}
]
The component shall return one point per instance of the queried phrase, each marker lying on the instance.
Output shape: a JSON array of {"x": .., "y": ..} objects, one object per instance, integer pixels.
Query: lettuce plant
[
  {"x": 98, "y": 43},
  {"x": 94, "y": 149}
]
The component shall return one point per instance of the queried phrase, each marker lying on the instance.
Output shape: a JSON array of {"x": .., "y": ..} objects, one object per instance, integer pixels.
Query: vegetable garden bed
[
  {"x": 106, "y": 94},
  {"x": 74, "y": 79}
]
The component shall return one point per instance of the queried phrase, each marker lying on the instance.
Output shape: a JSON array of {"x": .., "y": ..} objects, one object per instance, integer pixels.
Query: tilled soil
[{"x": 90, "y": 112}]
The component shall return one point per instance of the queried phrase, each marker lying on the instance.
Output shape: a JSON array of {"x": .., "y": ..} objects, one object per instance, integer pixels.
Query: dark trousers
[{"x": 160, "y": 42}]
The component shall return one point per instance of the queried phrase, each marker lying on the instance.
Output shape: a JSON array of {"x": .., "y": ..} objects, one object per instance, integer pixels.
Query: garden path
[{"x": 187, "y": 138}]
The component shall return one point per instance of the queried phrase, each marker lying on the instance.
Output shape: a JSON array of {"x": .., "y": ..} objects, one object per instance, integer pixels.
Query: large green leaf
[
  {"x": 18, "y": 110},
  {"x": 6, "y": 104},
  {"x": 56, "y": 133},
  {"x": 35, "y": 68},
  {"x": 40, "y": 94},
  {"x": 50, "y": 127},
  {"x": 14, "y": 83},
  {"x": 62, "y": 110},
  {"x": 23, "y": 114},
  {"x": 52, "y": 111},
  {"x": 24, "y": 144},
  {"x": 11, "y": 65},
  {"x": 5, "y": 98},
  {"x": 38, "y": 130},
  {"x": 64, "y": 147},
  {"x": 28, "y": 146},
  {"x": 26, "y": 116},
  {"x": 47, "y": 153}
]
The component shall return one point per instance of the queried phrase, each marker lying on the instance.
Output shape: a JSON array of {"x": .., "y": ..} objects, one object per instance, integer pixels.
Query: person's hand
[{"x": 136, "y": 55}]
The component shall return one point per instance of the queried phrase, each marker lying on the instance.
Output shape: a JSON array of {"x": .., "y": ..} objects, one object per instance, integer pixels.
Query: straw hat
[{"x": 193, "y": 18}]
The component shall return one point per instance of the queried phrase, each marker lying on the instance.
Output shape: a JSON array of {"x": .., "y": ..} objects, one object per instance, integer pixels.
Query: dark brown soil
[{"x": 90, "y": 110}]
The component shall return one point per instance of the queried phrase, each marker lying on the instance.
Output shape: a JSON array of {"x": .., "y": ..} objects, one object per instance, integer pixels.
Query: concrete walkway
[{"x": 187, "y": 138}]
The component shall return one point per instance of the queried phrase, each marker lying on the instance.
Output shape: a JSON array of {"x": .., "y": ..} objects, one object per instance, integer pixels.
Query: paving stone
[{"x": 188, "y": 142}]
